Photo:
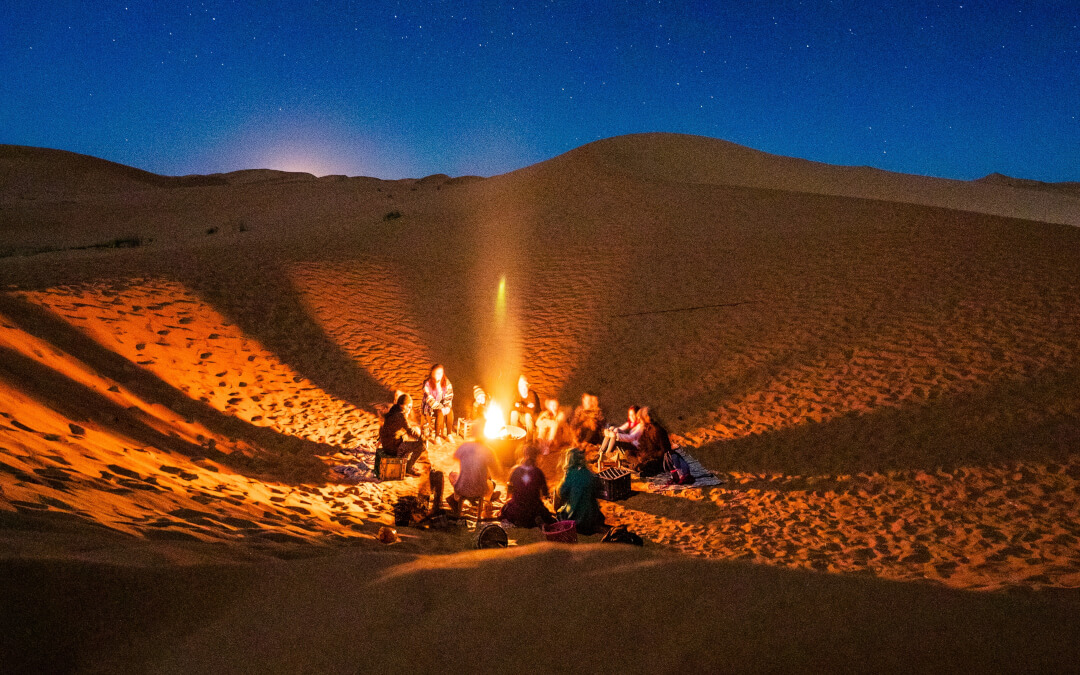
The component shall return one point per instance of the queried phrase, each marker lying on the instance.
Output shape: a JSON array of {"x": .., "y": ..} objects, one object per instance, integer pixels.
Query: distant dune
[
  {"x": 883, "y": 370},
  {"x": 1070, "y": 188},
  {"x": 692, "y": 159},
  {"x": 40, "y": 173}
]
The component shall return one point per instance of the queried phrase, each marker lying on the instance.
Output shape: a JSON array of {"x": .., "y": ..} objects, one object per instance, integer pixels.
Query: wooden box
[{"x": 391, "y": 468}]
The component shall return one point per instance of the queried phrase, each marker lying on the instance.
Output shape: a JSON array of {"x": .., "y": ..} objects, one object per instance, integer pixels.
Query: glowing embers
[{"x": 495, "y": 426}]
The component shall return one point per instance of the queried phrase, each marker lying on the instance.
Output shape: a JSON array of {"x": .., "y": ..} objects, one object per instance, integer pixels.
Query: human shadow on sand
[
  {"x": 266, "y": 306},
  {"x": 1036, "y": 419},
  {"x": 294, "y": 456}
]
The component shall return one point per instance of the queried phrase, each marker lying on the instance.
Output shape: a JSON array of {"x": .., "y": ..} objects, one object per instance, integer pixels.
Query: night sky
[{"x": 393, "y": 89}]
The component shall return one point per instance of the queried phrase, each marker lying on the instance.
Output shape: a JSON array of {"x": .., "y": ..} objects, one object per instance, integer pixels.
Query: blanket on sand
[{"x": 702, "y": 476}]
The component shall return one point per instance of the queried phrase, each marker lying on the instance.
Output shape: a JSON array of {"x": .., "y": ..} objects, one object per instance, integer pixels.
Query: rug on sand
[
  {"x": 357, "y": 472},
  {"x": 702, "y": 476}
]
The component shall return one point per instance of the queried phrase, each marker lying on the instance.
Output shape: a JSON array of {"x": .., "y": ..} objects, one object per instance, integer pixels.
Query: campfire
[
  {"x": 494, "y": 421},
  {"x": 495, "y": 426}
]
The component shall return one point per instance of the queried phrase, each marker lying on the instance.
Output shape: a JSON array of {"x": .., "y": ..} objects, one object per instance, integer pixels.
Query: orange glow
[{"x": 494, "y": 420}]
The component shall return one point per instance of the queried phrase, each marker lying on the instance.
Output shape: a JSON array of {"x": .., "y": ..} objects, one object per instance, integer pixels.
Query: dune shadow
[
  {"x": 286, "y": 458},
  {"x": 153, "y": 601},
  {"x": 1037, "y": 419},
  {"x": 205, "y": 619}
]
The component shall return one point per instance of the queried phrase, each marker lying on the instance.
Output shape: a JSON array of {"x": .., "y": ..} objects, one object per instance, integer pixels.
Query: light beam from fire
[{"x": 494, "y": 420}]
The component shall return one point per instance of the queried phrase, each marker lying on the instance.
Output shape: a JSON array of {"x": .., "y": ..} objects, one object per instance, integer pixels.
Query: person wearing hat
[{"x": 478, "y": 407}]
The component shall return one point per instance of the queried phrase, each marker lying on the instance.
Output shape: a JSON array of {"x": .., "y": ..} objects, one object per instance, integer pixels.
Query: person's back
[
  {"x": 476, "y": 463},
  {"x": 528, "y": 482},
  {"x": 654, "y": 442},
  {"x": 577, "y": 495},
  {"x": 527, "y": 487},
  {"x": 652, "y": 447}
]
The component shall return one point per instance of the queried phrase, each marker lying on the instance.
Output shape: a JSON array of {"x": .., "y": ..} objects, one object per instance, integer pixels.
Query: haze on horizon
[{"x": 393, "y": 89}]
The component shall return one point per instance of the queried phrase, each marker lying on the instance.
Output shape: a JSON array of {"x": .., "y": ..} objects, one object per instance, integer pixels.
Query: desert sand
[{"x": 889, "y": 392}]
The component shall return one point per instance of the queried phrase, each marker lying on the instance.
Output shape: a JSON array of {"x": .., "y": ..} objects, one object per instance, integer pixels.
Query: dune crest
[{"x": 695, "y": 159}]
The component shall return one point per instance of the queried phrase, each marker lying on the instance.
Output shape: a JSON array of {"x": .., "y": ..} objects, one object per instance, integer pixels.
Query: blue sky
[{"x": 394, "y": 89}]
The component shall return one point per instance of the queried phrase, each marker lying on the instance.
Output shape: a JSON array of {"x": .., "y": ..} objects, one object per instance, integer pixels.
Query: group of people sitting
[
  {"x": 576, "y": 497},
  {"x": 641, "y": 442}
]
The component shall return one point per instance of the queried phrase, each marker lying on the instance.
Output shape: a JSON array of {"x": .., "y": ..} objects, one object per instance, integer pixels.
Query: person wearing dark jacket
[
  {"x": 527, "y": 487},
  {"x": 398, "y": 437}
]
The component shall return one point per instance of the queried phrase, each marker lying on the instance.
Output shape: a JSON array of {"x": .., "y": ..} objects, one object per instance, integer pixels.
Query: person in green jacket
[{"x": 576, "y": 497}]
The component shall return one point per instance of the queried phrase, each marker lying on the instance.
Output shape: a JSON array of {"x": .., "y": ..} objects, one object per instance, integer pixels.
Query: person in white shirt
[{"x": 623, "y": 439}]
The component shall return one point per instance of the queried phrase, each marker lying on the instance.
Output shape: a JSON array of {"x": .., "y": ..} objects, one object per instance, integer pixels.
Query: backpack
[
  {"x": 680, "y": 470},
  {"x": 620, "y": 535}
]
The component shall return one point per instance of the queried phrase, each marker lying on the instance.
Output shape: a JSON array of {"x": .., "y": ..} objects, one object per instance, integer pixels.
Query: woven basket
[{"x": 562, "y": 532}]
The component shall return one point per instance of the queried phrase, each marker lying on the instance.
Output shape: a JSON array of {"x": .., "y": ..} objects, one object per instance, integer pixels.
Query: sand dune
[
  {"x": 690, "y": 159},
  {"x": 889, "y": 391}
]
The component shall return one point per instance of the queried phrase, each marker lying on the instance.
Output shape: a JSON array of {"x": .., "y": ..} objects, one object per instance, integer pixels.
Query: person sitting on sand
[
  {"x": 478, "y": 407},
  {"x": 588, "y": 420},
  {"x": 526, "y": 408},
  {"x": 398, "y": 437},
  {"x": 527, "y": 488},
  {"x": 653, "y": 445},
  {"x": 437, "y": 409},
  {"x": 548, "y": 421},
  {"x": 477, "y": 465},
  {"x": 576, "y": 497},
  {"x": 475, "y": 412},
  {"x": 623, "y": 438}
]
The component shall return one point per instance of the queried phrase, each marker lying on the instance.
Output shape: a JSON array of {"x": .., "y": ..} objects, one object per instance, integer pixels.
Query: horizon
[
  {"x": 377, "y": 89},
  {"x": 540, "y": 161}
]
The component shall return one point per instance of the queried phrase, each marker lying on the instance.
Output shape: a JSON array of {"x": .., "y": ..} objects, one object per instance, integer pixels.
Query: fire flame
[{"x": 494, "y": 420}]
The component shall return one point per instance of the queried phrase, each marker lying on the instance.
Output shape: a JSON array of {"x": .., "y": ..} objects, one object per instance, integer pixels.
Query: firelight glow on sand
[{"x": 500, "y": 301}]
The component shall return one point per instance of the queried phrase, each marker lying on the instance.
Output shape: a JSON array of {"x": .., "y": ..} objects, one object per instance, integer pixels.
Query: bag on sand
[
  {"x": 680, "y": 470},
  {"x": 620, "y": 535}
]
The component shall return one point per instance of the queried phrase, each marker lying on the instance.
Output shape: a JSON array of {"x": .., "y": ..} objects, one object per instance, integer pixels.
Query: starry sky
[{"x": 394, "y": 89}]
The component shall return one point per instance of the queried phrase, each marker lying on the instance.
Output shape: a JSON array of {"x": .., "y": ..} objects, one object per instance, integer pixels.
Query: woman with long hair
[
  {"x": 576, "y": 498},
  {"x": 437, "y": 408},
  {"x": 652, "y": 446}
]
